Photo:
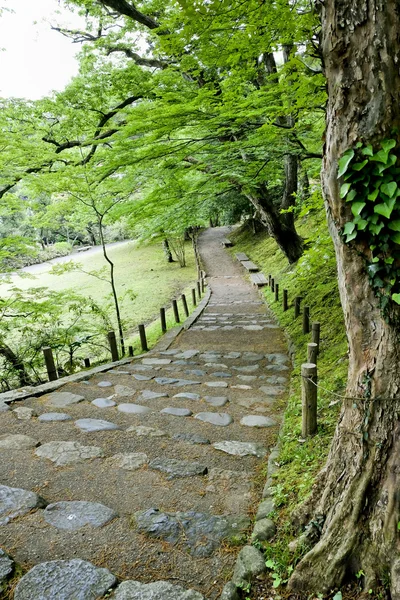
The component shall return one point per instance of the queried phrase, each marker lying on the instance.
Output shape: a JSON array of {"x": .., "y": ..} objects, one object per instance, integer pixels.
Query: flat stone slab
[
  {"x": 187, "y": 354},
  {"x": 134, "y": 409},
  {"x": 241, "y": 448},
  {"x": 66, "y": 453},
  {"x": 188, "y": 395},
  {"x": 277, "y": 368},
  {"x": 103, "y": 402},
  {"x": 201, "y": 532},
  {"x": 233, "y": 355},
  {"x": 91, "y": 425},
  {"x": 150, "y": 395},
  {"x": 257, "y": 421},
  {"x": 247, "y": 368},
  {"x": 139, "y": 377},
  {"x": 165, "y": 380},
  {"x": 130, "y": 461},
  {"x": 221, "y": 374},
  {"x": 253, "y": 327},
  {"x": 156, "y": 361},
  {"x": 178, "y": 468},
  {"x": 62, "y": 399},
  {"x": 191, "y": 438},
  {"x": 142, "y": 430},
  {"x": 176, "y": 412},
  {"x": 183, "y": 382},
  {"x": 157, "y": 590},
  {"x": 277, "y": 358},
  {"x": 220, "y": 419},
  {"x": 54, "y": 417},
  {"x": 195, "y": 372},
  {"x": 17, "y": 441},
  {"x": 272, "y": 390},
  {"x": 216, "y": 401},
  {"x": 15, "y": 502},
  {"x": 74, "y": 515},
  {"x": 64, "y": 580},
  {"x": 6, "y": 568},
  {"x": 104, "y": 384},
  {"x": 216, "y": 384},
  {"x": 24, "y": 413},
  {"x": 124, "y": 390},
  {"x": 252, "y": 356},
  {"x": 216, "y": 365}
]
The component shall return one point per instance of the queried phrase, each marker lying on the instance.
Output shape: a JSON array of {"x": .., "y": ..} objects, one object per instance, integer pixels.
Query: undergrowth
[{"x": 314, "y": 278}]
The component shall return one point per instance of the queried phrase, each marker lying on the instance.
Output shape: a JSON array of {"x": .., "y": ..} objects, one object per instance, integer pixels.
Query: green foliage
[{"x": 371, "y": 189}]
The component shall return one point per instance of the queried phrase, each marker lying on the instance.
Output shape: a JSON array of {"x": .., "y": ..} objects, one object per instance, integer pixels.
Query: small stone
[
  {"x": 130, "y": 461},
  {"x": 117, "y": 372},
  {"x": 188, "y": 395},
  {"x": 241, "y": 387},
  {"x": 230, "y": 592},
  {"x": 62, "y": 399},
  {"x": 252, "y": 356},
  {"x": 216, "y": 401},
  {"x": 157, "y": 590},
  {"x": 247, "y": 368},
  {"x": 183, "y": 382},
  {"x": 6, "y": 568},
  {"x": 216, "y": 365},
  {"x": 276, "y": 380},
  {"x": 64, "y": 580},
  {"x": 241, "y": 448},
  {"x": 233, "y": 355},
  {"x": 271, "y": 390},
  {"x": 17, "y": 441},
  {"x": 264, "y": 530},
  {"x": 195, "y": 372},
  {"x": 104, "y": 384},
  {"x": 257, "y": 421},
  {"x": 247, "y": 377},
  {"x": 143, "y": 430},
  {"x": 220, "y": 419},
  {"x": 276, "y": 368},
  {"x": 103, "y": 402},
  {"x": 265, "y": 508},
  {"x": 250, "y": 563},
  {"x": 65, "y": 453},
  {"x": 277, "y": 358},
  {"x": 165, "y": 380},
  {"x": 191, "y": 438},
  {"x": 150, "y": 395},
  {"x": 74, "y": 515},
  {"x": 133, "y": 409},
  {"x": 221, "y": 374},
  {"x": 176, "y": 412},
  {"x": 54, "y": 417},
  {"x": 15, "y": 502},
  {"x": 156, "y": 361},
  {"x": 139, "y": 377},
  {"x": 91, "y": 425},
  {"x": 24, "y": 413},
  {"x": 124, "y": 390},
  {"x": 253, "y": 327},
  {"x": 187, "y": 354},
  {"x": 214, "y": 384},
  {"x": 177, "y": 468}
]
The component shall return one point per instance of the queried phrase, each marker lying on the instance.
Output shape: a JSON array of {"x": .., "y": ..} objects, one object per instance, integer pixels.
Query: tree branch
[
  {"x": 129, "y": 10},
  {"x": 139, "y": 60}
]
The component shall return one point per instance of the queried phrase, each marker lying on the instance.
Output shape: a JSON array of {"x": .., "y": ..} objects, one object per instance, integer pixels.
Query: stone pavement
[{"x": 142, "y": 482}]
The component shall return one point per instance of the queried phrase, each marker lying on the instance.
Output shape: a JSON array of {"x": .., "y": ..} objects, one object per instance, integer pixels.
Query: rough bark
[
  {"x": 359, "y": 502},
  {"x": 16, "y": 364}
]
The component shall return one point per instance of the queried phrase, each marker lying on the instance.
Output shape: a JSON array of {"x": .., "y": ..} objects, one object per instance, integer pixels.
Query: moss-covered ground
[{"x": 313, "y": 278}]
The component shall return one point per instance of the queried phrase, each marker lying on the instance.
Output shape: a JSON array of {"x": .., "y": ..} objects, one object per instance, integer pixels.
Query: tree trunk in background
[
  {"x": 167, "y": 251},
  {"x": 357, "y": 496},
  {"x": 16, "y": 364}
]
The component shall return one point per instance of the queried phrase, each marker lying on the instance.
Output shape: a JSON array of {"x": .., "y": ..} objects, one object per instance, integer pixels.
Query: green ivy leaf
[
  {"x": 385, "y": 209},
  {"x": 388, "y": 145},
  {"x": 349, "y": 228},
  {"x": 360, "y": 165},
  {"x": 373, "y": 196},
  {"x": 389, "y": 189},
  {"x": 394, "y": 225},
  {"x": 351, "y": 195},
  {"x": 345, "y": 161},
  {"x": 357, "y": 207},
  {"x": 337, "y": 596},
  {"x": 389, "y": 260},
  {"x": 362, "y": 224},
  {"x": 375, "y": 228},
  {"x": 395, "y": 237},
  {"x": 344, "y": 189},
  {"x": 351, "y": 236},
  {"x": 396, "y": 298},
  {"x": 368, "y": 150},
  {"x": 381, "y": 157}
]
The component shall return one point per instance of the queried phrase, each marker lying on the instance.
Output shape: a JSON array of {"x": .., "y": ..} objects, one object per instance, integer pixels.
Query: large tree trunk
[{"x": 357, "y": 496}]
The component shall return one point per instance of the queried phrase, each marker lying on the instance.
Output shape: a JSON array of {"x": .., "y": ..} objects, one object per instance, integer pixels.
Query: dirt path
[{"x": 160, "y": 483}]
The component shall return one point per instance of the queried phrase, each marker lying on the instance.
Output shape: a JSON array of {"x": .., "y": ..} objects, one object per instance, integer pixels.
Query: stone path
[{"x": 148, "y": 472}]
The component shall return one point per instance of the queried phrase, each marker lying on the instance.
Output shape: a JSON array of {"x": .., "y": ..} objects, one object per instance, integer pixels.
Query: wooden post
[
  {"x": 50, "y": 364},
  {"x": 130, "y": 350},
  {"x": 175, "y": 309},
  {"x": 277, "y": 292},
  {"x": 297, "y": 302},
  {"x": 285, "y": 301},
  {"x": 306, "y": 319},
  {"x": 113, "y": 345},
  {"x": 269, "y": 280},
  {"x": 198, "y": 290},
  {"x": 315, "y": 334},
  {"x": 203, "y": 285},
  {"x": 272, "y": 284},
  {"x": 163, "y": 320},
  {"x": 194, "y": 297},
  {"x": 185, "y": 306},
  {"x": 143, "y": 339},
  {"x": 312, "y": 353},
  {"x": 309, "y": 399},
  {"x": 87, "y": 362}
]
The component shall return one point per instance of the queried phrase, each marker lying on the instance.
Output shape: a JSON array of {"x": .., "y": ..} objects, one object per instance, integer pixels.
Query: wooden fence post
[
  {"x": 113, "y": 345},
  {"x": 277, "y": 292},
  {"x": 272, "y": 284},
  {"x": 315, "y": 334},
  {"x": 130, "y": 350},
  {"x": 176, "y": 312},
  {"x": 309, "y": 399},
  {"x": 285, "y": 301},
  {"x": 269, "y": 280},
  {"x": 306, "y": 319},
  {"x": 203, "y": 285},
  {"x": 297, "y": 302},
  {"x": 312, "y": 353},
  {"x": 185, "y": 306},
  {"x": 163, "y": 320},
  {"x": 194, "y": 297},
  {"x": 198, "y": 290},
  {"x": 87, "y": 362},
  {"x": 50, "y": 364},
  {"x": 143, "y": 339}
]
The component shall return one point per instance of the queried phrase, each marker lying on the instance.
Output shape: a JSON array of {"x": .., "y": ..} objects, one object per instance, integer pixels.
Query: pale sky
[{"x": 35, "y": 59}]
